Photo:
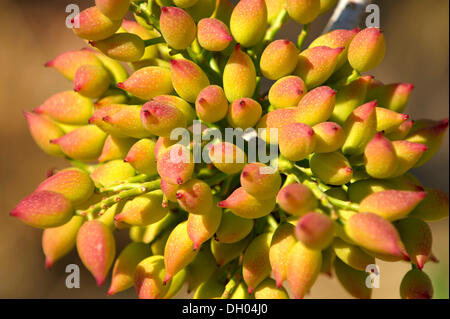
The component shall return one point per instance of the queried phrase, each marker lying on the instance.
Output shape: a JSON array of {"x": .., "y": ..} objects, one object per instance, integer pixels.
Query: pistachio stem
[
  {"x": 325, "y": 200},
  {"x": 230, "y": 288},
  {"x": 109, "y": 201},
  {"x": 153, "y": 41},
  {"x": 302, "y": 36}
]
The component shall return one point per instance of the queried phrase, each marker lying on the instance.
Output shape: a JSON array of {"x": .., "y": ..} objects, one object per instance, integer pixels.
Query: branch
[{"x": 347, "y": 15}]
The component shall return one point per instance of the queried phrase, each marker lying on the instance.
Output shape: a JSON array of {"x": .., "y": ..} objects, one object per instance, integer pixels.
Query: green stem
[
  {"x": 276, "y": 26},
  {"x": 346, "y": 81},
  {"x": 142, "y": 10},
  {"x": 85, "y": 167},
  {"x": 109, "y": 201},
  {"x": 272, "y": 222},
  {"x": 230, "y": 288},
  {"x": 302, "y": 36},
  {"x": 326, "y": 200},
  {"x": 153, "y": 41}
]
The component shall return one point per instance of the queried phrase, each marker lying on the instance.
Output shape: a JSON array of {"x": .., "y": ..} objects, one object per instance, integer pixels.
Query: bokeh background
[{"x": 33, "y": 32}]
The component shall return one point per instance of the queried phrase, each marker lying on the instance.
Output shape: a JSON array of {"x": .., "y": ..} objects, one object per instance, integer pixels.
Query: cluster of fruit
[{"x": 340, "y": 198}]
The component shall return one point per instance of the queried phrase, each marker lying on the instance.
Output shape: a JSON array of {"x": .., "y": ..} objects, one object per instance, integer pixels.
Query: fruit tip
[
  {"x": 167, "y": 279},
  {"x": 48, "y": 263},
  {"x": 100, "y": 281},
  {"x": 49, "y": 64},
  {"x": 250, "y": 290},
  {"x": 120, "y": 85},
  {"x": 179, "y": 181},
  {"x": 164, "y": 9},
  {"x": 110, "y": 292}
]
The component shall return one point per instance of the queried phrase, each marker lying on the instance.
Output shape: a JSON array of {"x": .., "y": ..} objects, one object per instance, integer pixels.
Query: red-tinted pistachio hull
[
  {"x": 376, "y": 234},
  {"x": 114, "y": 9},
  {"x": 416, "y": 285},
  {"x": 239, "y": 76},
  {"x": 393, "y": 96},
  {"x": 336, "y": 39},
  {"x": 316, "y": 106},
  {"x": 278, "y": 59},
  {"x": 188, "y": 79},
  {"x": 211, "y": 104},
  {"x": 213, "y": 34},
  {"x": 162, "y": 118},
  {"x": 142, "y": 157},
  {"x": 315, "y": 65},
  {"x": 329, "y": 137},
  {"x": 69, "y": 62},
  {"x": 296, "y": 141},
  {"x": 111, "y": 173},
  {"x": 180, "y": 104},
  {"x": 303, "y": 267},
  {"x": 367, "y": 49},
  {"x": 246, "y": 206},
  {"x": 84, "y": 143},
  {"x": 115, "y": 148},
  {"x": 200, "y": 228},
  {"x": 388, "y": 121},
  {"x": 332, "y": 168},
  {"x": 283, "y": 240},
  {"x": 43, "y": 131},
  {"x": 401, "y": 131},
  {"x": 349, "y": 98},
  {"x": 177, "y": 27},
  {"x": 179, "y": 251},
  {"x": 268, "y": 289},
  {"x": 296, "y": 199},
  {"x": 260, "y": 180},
  {"x": 175, "y": 165},
  {"x": 430, "y": 133},
  {"x": 169, "y": 190},
  {"x": 149, "y": 277},
  {"x": 315, "y": 230},
  {"x": 360, "y": 127},
  {"x": 125, "y": 266},
  {"x": 303, "y": 11},
  {"x": 67, "y": 107},
  {"x": 59, "y": 241},
  {"x": 126, "y": 47},
  {"x": 416, "y": 235},
  {"x": 380, "y": 157},
  {"x": 195, "y": 197},
  {"x": 73, "y": 183},
  {"x": 392, "y": 204},
  {"x": 287, "y": 92},
  {"x": 94, "y": 25},
  {"x": 142, "y": 210},
  {"x": 227, "y": 157},
  {"x": 244, "y": 113},
  {"x": 408, "y": 154},
  {"x": 91, "y": 81},
  {"x": 256, "y": 264},
  {"x": 97, "y": 248},
  {"x": 248, "y": 22},
  {"x": 148, "y": 82},
  {"x": 275, "y": 120},
  {"x": 434, "y": 207}
]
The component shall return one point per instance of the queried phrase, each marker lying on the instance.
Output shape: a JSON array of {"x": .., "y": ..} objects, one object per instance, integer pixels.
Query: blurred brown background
[{"x": 33, "y": 32}]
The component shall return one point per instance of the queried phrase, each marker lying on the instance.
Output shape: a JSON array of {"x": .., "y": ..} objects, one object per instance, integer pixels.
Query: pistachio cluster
[{"x": 340, "y": 198}]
